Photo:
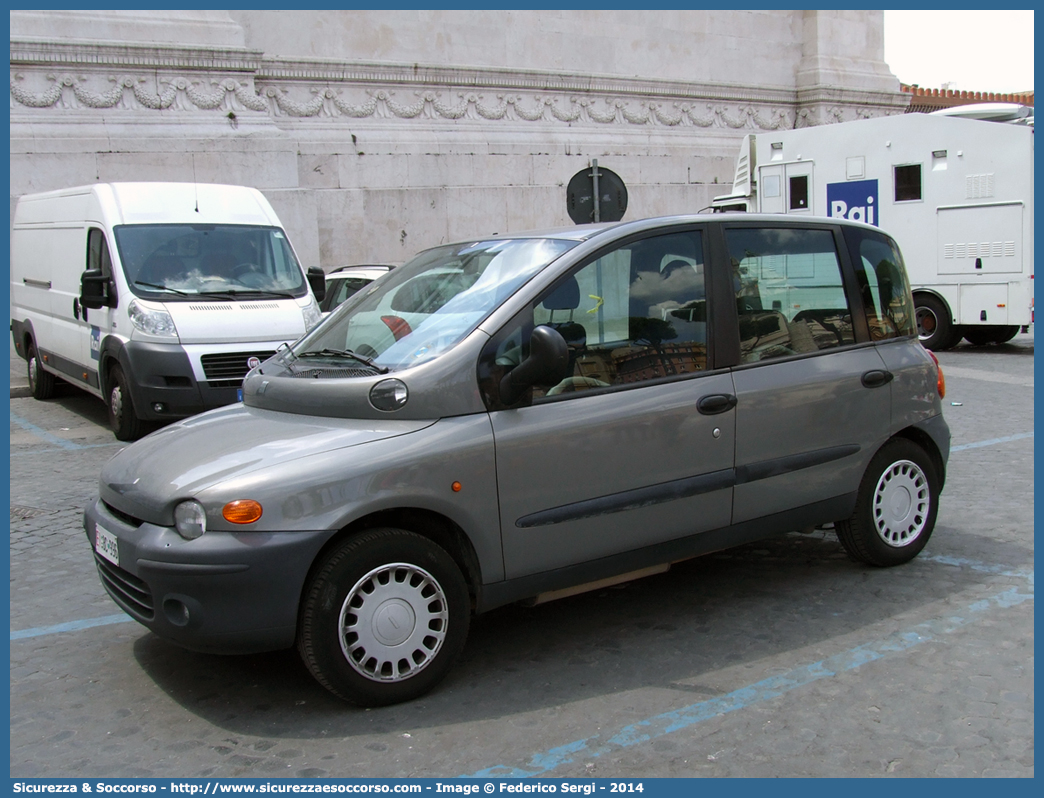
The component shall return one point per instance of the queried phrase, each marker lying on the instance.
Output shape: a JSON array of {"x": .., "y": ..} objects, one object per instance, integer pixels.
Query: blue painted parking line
[
  {"x": 991, "y": 442},
  {"x": 660, "y": 725},
  {"x": 61, "y": 443},
  {"x": 71, "y": 626}
]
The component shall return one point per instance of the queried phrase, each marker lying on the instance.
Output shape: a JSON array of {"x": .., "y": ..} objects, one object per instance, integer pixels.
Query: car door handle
[
  {"x": 716, "y": 403},
  {"x": 877, "y": 378}
]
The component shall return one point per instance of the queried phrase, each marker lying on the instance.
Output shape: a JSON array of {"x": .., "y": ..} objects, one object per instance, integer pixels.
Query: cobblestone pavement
[{"x": 781, "y": 658}]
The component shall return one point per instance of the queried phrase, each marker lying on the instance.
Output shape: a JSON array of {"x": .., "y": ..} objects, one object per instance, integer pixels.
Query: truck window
[
  {"x": 799, "y": 193},
  {"x": 908, "y": 183}
]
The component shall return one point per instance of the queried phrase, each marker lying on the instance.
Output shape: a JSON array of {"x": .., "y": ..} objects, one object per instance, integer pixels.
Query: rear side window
[
  {"x": 883, "y": 284},
  {"x": 789, "y": 291}
]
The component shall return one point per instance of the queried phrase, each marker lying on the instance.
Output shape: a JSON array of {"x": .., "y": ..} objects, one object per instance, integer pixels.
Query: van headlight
[
  {"x": 190, "y": 519},
  {"x": 311, "y": 313},
  {"x": 151, "y": 321}
]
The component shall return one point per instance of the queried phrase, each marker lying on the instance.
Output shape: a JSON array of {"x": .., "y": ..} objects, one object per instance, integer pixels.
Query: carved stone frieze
[{"x": 55, "y": 77}]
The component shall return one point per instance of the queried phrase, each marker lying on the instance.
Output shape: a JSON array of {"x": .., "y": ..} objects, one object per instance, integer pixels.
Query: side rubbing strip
[
  {"x": 632, "y": 499},
  {"x": 795, "y": 462}
]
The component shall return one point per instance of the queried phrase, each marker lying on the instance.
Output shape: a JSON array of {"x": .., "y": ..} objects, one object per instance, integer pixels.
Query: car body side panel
[
  {"x": 597, "y": 475},
  {"x": 806, "y": 429}
]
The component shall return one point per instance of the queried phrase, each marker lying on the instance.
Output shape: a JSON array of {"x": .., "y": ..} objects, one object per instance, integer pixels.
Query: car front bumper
[{"x": 223, "y": 593}]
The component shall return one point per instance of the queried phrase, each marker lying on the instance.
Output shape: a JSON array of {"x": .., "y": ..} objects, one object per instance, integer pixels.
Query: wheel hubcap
[
  {"x": 116, "y": 401},
  {"x": 926, "y": 323},
  {"x": 393, "y": 622},
  {"x": 901, "y": 504},
  {"x": 32, "y": 373}
]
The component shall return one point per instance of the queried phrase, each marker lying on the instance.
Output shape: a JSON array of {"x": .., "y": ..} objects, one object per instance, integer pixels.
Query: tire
[
  {"x": 981, "y": 336},
  {"x": 359, "y": 633},
  {"x": 123, "y": 420},
  {"x": 895, "y": 508},
  {"x": 41, "y": 382},
  {"x": 934, "y": 328}
]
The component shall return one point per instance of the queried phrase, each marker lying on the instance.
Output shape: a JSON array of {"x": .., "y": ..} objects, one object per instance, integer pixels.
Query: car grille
[
  {"x": 127, "y": 590},
  {"x": 227, "y": 369}
]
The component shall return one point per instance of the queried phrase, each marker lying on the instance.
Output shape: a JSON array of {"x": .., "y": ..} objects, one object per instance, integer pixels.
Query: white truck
[
  {"x": 156, "y": 297},
  {"x": 956, "y": 194}
]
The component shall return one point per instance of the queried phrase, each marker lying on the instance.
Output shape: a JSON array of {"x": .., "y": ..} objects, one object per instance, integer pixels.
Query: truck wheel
[
  {"x": 980, "y": 336},
  {"x": 934, "y": 328},
  {"x": 41, "y": 382},
  {"x": 123, "y": 421},
  {"x": 384, "y": 617},
  {"x": 895, "y": 508}
]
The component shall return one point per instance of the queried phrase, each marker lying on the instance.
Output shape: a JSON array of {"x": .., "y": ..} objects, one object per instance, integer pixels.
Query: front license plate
[
  {"x": 239, "y": 395},
  {"x": 105, "y": 543}
]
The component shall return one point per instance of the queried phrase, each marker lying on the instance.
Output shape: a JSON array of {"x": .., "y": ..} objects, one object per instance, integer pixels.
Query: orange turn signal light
[{"x": 243, "y": 511}]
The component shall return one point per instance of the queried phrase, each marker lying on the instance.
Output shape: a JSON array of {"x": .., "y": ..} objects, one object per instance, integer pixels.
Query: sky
[{"x": 973, "y": 50}]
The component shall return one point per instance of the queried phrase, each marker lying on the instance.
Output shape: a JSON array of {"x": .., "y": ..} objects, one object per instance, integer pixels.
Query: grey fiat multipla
[{"x": 522, "y": 417}]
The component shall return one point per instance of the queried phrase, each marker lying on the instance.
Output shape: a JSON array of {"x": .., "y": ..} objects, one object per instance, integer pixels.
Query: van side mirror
[
  {"x": 96, "y": 290},
  {"x": 317, "y": 281},
  {"x": 547, "y": 364}
]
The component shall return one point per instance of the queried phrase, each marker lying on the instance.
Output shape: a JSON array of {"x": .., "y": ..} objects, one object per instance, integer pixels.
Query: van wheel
[
  {"x": 41, "y": 382},
  {"x": 934, "y": 328},
  {"x": 895, "y": 507},
  {"x": 123, "y": 421},
  {"x": 384, "y": 617}
]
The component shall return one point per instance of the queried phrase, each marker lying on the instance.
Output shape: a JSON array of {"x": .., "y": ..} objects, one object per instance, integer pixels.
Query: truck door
[{"x": 786, "y": 187}]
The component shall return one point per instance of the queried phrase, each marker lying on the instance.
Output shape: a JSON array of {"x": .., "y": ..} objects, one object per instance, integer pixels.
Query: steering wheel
[
  {"x": 574, "y": 383},
  {"x": 244, "y": 268}
]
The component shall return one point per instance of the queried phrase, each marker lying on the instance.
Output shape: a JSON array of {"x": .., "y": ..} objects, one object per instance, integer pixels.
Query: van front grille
[{"x": 229, "y": 368}]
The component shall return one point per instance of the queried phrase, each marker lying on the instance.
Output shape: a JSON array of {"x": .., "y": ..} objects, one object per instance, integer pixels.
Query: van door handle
[
  {"x": 716, "y": 403},
  {"x": 877, "y": 378}
]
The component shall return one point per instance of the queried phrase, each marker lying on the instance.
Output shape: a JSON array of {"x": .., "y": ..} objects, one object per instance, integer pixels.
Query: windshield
[
  {"x": 220, "y": 261},
  {"x": 423, "y": 308}
]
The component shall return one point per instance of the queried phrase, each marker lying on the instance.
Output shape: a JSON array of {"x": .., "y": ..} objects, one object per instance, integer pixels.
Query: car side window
[
  {"x": 636, "y": 313},
  {"x": 882, "y": 284},
  {"x": 790, "y": 293}
]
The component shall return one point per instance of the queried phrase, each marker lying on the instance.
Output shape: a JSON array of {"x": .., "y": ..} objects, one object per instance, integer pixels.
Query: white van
[{"x": 157, "y": 297}]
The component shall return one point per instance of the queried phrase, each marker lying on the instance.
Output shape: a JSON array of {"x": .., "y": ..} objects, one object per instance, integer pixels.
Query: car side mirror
[
  {"x": 547, "y": 364},
  {"x": 317, "y": 282},
  {"x": 96, "y": 290}
]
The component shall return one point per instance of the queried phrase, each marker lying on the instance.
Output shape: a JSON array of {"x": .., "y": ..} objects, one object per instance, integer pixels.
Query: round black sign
[{"x": 580, "y": 196}]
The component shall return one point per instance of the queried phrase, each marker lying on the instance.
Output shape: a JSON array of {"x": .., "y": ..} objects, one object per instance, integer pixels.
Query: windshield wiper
[
  {"x": 346, "y": 353},
  {"x": 234, "y": 292},
  {"x": 159, "y": 287}
]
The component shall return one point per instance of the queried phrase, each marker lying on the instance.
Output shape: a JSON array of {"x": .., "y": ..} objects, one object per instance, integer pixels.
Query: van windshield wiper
[
  {"x": 160, "y": 287},
  {"x": 234, "y": 292},
  {"x": 346, "y": 353}
]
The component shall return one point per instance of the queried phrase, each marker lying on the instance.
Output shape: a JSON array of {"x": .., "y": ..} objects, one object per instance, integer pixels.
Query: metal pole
[{"x": 594, "y": 177}]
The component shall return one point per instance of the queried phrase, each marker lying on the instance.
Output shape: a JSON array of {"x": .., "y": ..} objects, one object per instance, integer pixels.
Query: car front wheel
[
  {"x": 895, "y": 507},
  {"x": 384, "y": 617}
]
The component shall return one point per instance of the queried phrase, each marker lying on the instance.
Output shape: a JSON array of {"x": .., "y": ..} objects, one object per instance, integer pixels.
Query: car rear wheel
[
  {"x": 895, "y": 507},
  {"x": 41, "y": 383},
  {"x": 384, "y": 617}
]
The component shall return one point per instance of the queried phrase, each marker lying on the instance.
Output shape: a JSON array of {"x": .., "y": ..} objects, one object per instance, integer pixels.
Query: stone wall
[{"x": 375, "y": 134}]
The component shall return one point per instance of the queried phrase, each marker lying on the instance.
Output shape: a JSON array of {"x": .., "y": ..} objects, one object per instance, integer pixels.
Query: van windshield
[
  {"x": 425, "y": 307},
  {"x": 178, "y": 262}
]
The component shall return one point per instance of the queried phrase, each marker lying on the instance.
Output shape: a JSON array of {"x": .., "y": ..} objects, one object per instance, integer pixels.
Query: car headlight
[
  {"x": 190, "y": 519},
  {"x": 151, "y": 321},
  {"x": 311, "y": 313}
]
